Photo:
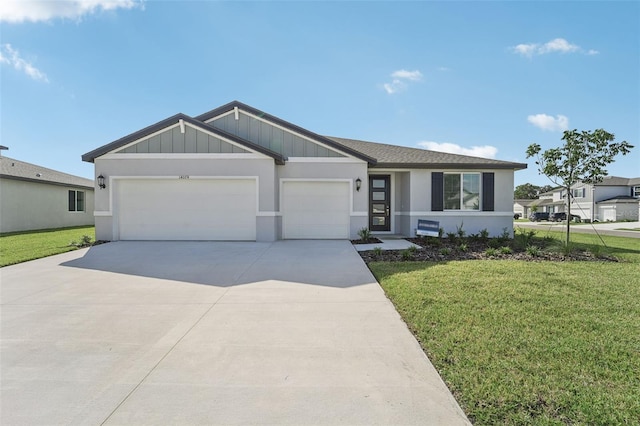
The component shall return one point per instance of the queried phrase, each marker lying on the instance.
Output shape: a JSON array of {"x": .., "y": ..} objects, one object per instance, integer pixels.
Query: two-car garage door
[
  {"x": 187, "y": 209},
  {"x": 225, "y": 209}
]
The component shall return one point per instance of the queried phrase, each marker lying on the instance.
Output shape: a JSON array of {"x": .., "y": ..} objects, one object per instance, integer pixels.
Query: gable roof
[
  {"x": 287, "y": 125},
  {"x": 394, "y": 156},
  {"x": 92, "y": 155},
  {"x": 20, "y": 170},
  {"x": 375, "y": 154}
]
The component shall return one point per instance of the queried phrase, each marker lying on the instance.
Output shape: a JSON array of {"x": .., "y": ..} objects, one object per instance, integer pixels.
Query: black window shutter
[
  {"x": 72, "y": 201},
  {"x": 437, "y": 191},
  {"x": 488, "y": 191}
]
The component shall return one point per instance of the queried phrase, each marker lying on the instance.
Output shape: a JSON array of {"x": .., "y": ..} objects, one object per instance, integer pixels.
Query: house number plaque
[{"x": 183, "y": 177}]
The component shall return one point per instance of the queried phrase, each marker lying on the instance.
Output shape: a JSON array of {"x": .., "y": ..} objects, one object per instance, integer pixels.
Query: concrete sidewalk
[{"x": 294, "y": 332}]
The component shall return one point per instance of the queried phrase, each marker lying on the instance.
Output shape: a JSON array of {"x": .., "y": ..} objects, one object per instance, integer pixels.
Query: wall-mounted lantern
[
  {"x": 358, "y": 184},
  {"x": 101, "y": 182}
]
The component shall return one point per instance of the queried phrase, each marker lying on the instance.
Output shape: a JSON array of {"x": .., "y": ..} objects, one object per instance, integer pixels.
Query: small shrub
[
  {"x": 566, "y": 249},
  {"x": 506, "y": 235},
  {"x": 474, "y": 237},
  {"x": 445, "y": 251},
  {"x": 377, "y": 251},
  {"x": 85, "y": 241},
  {"x": 440, "y": 232},
  {"x": 412, "y": 249},
  {"x": 484, "y": 234},
  {"x": 463, "y": 247},
  {"x": 433, "y": 241},
  {"x": 364, "y": 234},
  {"x": 491, "y": 252},
  {"x": 505, "y": 250},
  {"x": 494, "y": 243},
  {"x": 451, "y": 235},
  {"x": 524, "y": 237},
  {"x": 406, "y": 254},
  {"x": 533, "y": 251},
  {"x": 459, "y": 231}
]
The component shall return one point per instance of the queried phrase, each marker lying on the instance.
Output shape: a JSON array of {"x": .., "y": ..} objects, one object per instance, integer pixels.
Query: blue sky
[{"x": 479, "y": 78}]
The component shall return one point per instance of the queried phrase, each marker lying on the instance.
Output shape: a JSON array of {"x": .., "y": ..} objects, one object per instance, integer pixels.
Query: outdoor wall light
[
  {"x": 101, "y": 182},
  {"x": 358, "y": 184}
]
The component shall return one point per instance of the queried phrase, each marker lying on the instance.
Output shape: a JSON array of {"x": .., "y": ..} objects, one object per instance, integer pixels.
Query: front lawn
[
  {"x": 529, "y": 342},
  {"x": 17, "y": 247}
]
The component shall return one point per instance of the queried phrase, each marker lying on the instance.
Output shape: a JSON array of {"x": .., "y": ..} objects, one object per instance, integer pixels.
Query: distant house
[
  {"x": 613, "y": 199},
  {"x": 34, "y": 197}
]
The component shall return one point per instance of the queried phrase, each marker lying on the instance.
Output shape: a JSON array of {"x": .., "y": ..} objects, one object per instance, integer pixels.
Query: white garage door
[
  {"x": 315, "y": 209},
  {"x": 187, "y": 209}
]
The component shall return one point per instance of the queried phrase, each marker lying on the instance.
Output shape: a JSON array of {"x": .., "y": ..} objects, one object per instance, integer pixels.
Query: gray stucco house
[
  {"x": 238, "y": 173},
  {"x": 34, "y": 197}
]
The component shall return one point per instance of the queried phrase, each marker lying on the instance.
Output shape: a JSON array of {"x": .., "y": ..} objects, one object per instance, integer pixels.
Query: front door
[{"x": 379, "y": 203}]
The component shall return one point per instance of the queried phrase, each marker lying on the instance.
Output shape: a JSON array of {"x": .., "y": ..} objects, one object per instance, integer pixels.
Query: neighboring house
[
  {"x": 613, "y": 199},
  {"x": 34, "y": 197},
  {"x": 523, "y": 207},
  {"x": 237, "y": 173}
]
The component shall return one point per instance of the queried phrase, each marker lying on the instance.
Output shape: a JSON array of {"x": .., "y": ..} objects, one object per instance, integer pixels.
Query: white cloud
[
  {"x": 408, "y": 75},
  {"x": 557, "y": 45},
  {"x": 17, "y": 11},
  {"x": 485, "y": 151},
  {"x": 548, "y": 122},
  {"x": 11, "y": 57},
  {"x": 400, "y": 79}
]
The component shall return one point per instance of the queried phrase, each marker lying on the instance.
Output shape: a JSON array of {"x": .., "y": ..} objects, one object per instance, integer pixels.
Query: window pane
[
  {"x": 80, "y": 201},
  {"x": 378, "y": 183},
  {"x": 471, "y": 191},
  {"x": 378, "y": 221},
  {"x": 378, "y": 208},
  {"x": 451, "y": 192},
  {"x": 377, "y": 195},
  {"x": 72, "y": 201}
]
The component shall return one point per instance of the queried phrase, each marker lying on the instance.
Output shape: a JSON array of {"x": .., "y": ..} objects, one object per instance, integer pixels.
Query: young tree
[{"x": 582, "y": 158}]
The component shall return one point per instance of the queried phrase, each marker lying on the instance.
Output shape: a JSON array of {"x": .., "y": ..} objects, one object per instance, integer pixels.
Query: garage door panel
[
  {"x": 316, "y": 210},
  {"x": 202, "y": 209}
]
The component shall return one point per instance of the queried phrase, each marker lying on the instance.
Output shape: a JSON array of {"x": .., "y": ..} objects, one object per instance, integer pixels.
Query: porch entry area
[{"x": 379, "y": 203}]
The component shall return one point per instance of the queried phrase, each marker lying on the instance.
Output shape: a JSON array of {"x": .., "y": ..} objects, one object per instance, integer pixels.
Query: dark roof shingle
[
  {"x": 404, "y": 157},
  {"x": 16, "y": 169}
]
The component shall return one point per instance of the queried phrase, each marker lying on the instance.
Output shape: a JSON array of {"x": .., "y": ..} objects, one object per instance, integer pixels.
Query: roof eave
[
  {"x": 455, "y": 166},
  {"x": 92, "y": 155}
]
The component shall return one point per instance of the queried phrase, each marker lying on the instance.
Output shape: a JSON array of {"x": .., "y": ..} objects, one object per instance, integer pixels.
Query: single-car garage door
[
  {"x": 187, "y": 209},
  {"x": 315, "y": 209}
]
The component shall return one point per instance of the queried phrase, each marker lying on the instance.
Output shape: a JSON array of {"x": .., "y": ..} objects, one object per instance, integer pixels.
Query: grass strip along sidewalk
[
  {"x": 17, "y": 247},
  {"x": 529, "y": 342}
]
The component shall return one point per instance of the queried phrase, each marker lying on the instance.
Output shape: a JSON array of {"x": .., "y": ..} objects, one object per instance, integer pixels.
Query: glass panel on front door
[{"x": 379, "y": 203}]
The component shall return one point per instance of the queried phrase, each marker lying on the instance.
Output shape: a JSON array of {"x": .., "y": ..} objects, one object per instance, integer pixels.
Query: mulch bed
[
  {"x": 447, "y": 250},
  {"x": 372, "y": 240}
]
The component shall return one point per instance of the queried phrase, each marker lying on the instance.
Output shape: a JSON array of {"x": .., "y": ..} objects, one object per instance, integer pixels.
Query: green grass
[
  {"x": 17, "y": 247},
  {"x": 530, "y": 342}
]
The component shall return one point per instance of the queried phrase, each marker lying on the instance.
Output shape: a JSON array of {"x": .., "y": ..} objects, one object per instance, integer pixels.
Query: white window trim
[
  {"x": 462, "y": 209},
  {"x": 76, "y": 201}
]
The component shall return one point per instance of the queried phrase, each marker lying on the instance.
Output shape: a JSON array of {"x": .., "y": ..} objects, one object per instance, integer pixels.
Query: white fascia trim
[
  {"x": 113, "y": 179},
  {"x": 349, "y": 181},
  {"x": 180, "y": 156},
  {"x": 284, "y": 129},
  {"x": 456, "y": 213},
  {"x": 351, "y": 160}
]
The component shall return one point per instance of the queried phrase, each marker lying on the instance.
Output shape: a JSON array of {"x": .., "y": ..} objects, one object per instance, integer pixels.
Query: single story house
[
  {"x": 238, "y": 173},
  {"x": 34, "y": 197}
]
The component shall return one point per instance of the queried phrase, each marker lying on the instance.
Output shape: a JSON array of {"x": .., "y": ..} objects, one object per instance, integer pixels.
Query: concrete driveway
[{"x": 292, "y": 332}]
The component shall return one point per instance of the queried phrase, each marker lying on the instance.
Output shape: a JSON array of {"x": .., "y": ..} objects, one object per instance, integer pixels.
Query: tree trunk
[{"x": 568, "y": 217}]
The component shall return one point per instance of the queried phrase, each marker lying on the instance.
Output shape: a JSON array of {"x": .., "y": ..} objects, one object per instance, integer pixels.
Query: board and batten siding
[
  {"x": 173, "y": 141},
  {"x": 271, "y": 137}
]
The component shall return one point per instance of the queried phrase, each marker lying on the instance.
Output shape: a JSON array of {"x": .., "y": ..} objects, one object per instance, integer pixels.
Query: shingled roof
[
  {"x": 394, "y": 156},
  {"x": 20, "y": 170}
]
